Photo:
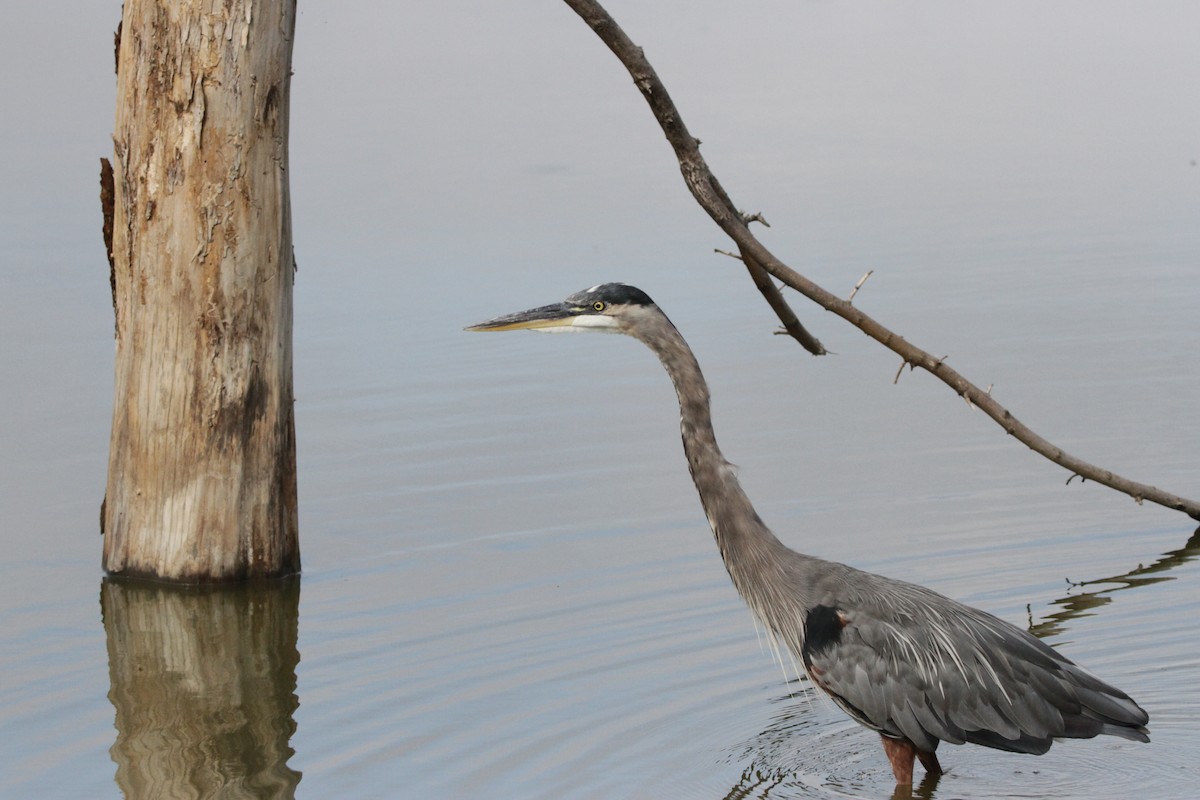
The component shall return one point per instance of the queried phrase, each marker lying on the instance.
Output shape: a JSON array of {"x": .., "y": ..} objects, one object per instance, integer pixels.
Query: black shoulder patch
[{"x": 822, "y": 630}]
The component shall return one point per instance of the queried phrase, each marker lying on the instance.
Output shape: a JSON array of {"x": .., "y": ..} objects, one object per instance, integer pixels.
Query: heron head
[{"x": 606, "y": 308}]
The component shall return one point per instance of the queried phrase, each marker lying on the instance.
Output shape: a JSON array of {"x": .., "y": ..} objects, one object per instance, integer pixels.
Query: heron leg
[
  {"x": 930, "y": 762},
  {"x": 901, "y": 753}
]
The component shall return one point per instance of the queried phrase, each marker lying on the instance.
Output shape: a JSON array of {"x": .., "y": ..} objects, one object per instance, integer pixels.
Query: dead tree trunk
[{"x": 202, "y": 461}]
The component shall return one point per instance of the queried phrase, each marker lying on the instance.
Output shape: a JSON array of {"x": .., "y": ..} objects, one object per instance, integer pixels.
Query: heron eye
[{"x": 598, "y": 305}]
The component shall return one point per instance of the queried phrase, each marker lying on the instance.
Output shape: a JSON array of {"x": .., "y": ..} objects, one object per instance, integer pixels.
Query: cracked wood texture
[{"x": 202, "y": 461}]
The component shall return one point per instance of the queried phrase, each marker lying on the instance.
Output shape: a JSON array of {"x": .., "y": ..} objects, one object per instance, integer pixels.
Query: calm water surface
[{"x": 510, "y": 590}]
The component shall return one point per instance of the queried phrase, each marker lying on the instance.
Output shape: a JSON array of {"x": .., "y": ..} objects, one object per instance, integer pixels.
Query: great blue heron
[{"x": 907, "y": 662}]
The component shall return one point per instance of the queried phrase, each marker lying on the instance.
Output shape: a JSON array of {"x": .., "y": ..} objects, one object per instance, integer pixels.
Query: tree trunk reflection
[{"x": 204, "y": 686}]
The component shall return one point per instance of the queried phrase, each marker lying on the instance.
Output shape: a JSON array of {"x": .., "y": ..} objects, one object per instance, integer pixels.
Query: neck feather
[{"x": 755, "y": 559}]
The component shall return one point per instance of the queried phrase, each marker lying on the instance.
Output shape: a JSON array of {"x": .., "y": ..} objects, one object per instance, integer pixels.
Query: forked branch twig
[{"x": 762, "y": 265}]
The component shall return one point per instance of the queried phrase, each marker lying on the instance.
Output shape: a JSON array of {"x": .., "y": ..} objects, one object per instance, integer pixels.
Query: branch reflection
[
  {"x": 1078, "y": 605},
  {"x": 204, "y": 686}
]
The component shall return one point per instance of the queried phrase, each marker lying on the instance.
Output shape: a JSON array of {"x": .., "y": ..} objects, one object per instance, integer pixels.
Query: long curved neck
[{"x": 753, "y": 556}]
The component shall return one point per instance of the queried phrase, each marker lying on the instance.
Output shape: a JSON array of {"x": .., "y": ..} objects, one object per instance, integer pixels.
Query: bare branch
[
  {"x": 696, "y": 174},
  {"x": 762, "y": 279},
  {"x": 762, "y": 263}
]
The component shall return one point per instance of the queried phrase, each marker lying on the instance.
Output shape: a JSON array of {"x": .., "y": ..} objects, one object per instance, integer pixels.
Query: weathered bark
[
  {"x": 202, "y": 461},
  {"x": 709, "y": 193}
]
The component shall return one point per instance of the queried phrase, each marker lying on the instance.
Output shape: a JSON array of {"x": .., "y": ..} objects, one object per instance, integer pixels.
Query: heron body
[{"x": 900, "y": 659}]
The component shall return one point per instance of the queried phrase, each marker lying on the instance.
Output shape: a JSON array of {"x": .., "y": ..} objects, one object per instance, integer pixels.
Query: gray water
[{"x": 509, "y": 588}]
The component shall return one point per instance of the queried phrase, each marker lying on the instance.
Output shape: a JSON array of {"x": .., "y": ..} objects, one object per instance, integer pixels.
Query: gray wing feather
[{"x": 911, "y": 663}]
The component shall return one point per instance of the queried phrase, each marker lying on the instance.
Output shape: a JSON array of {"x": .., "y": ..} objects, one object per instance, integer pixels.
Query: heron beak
[{"x": 558, "y": 316}]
